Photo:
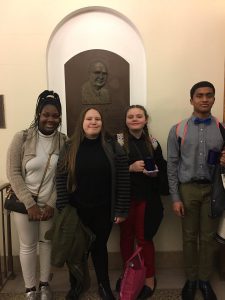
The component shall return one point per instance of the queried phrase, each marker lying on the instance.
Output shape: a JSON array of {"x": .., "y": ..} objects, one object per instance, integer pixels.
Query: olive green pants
[{"x": 198, "y": 231}]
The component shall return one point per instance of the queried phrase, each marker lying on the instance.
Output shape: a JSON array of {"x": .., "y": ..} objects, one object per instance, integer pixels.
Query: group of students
[{"x": 106, "y": 179}]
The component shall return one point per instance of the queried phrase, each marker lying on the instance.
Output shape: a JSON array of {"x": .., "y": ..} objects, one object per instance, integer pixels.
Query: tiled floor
[{"x": 167, "y": 278}]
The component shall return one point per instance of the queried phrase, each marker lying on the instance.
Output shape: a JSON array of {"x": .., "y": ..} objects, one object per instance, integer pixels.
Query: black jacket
[{"x": 120, "y": 180}]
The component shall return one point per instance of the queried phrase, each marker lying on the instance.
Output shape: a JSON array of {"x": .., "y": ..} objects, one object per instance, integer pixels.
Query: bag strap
[
  {"x": 45, "y": 171},
  {"x": 136, "y": 253}
]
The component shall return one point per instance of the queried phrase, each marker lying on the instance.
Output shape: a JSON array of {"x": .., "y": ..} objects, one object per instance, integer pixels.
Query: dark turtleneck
[{"x": 93, "y": 174}]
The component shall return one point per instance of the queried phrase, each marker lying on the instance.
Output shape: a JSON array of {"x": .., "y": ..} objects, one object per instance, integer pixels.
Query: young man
[{"x": 190, "y": 178}]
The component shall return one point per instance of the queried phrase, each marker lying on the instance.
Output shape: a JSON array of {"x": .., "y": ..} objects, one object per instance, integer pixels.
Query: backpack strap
[{"x": 181, "y": 131}]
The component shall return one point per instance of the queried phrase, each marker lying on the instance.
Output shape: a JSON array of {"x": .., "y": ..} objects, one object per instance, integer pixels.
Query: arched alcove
[{"x": 96, "y": 28}]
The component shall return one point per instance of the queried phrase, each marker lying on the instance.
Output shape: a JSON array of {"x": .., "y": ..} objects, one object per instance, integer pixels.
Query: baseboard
[{"x": 163, "y": 260}]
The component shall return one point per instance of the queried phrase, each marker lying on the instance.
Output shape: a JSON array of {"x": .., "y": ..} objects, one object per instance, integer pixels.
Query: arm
[
  {"x": 173, "y": 160},
  {"x": 14, "y": 170},
  {"x": 122, "y": 185},
  {"x": 137, "y": 166},
  {"x": 62, "y": 198},
  {"x": 14, "y": 174}
]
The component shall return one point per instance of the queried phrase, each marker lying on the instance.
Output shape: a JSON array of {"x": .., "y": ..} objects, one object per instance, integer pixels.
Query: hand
[
  {"x": 152, "y": 174},
  {"x": 34, "y": 213},
  {"x": 137, "y": 166},
  {"x": 178, "y": 208},
  {"x": 47, "y": 213},
  {"x": 118, "y": 220},
  {"x": 222, "y": 158}
]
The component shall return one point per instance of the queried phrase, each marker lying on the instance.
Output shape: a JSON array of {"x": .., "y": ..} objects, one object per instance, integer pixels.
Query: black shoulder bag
[{"x": 12, "y": 203}]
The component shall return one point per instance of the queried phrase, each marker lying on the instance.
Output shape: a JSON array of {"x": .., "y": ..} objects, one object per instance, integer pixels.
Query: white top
[{"x": 35, "y": 169}]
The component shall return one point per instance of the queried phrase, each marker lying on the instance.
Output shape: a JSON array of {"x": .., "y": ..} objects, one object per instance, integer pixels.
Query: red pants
[{"x": 133, "y": 230}]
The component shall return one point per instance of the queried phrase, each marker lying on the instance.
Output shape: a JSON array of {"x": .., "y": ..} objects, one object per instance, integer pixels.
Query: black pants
[{"x": 98, "y": 219}]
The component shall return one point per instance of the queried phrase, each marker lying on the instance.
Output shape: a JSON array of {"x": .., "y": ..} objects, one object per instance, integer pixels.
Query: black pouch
[{"x": 12, "y": 203}]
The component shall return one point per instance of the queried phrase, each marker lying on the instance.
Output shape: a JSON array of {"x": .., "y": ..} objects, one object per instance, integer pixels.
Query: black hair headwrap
[{"x": 48, "y": 97}]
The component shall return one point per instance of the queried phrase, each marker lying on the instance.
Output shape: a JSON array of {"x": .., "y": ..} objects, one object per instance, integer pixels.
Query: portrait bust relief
[
  {"x": 94, "y": 90},
  {"x": 97, "y": 78}
]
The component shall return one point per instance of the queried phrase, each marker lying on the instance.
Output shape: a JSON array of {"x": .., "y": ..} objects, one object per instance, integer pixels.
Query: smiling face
[
  {"x": 92, "y": 124},
  {"x": 49, "y": 119},
  {"x": 98, "y": 75},
  {"x": 136, "y": 120},
  {"x": 202, "y": 101}
]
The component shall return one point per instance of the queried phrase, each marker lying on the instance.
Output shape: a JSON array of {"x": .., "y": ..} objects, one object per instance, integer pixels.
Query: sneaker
[
  {"x": 32, "y": 295},
  {"x": 45, "y": 293}
]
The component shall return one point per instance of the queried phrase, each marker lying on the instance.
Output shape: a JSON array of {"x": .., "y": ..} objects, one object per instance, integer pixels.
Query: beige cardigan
[{"x": 20, "y": 152}]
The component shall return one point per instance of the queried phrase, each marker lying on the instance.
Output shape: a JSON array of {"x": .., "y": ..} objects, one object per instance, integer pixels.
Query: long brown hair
[
  {"x": 74, "y": 143},
  {"x": 145, "y": 130}
]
